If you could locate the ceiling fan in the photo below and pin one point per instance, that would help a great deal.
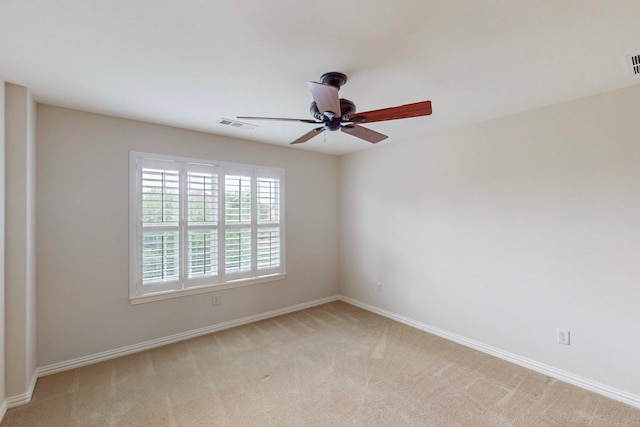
(336, 113)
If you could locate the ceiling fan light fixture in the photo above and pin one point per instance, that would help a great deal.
(333, 124)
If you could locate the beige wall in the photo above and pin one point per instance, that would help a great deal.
(20, 252)
(82, 237)
(504, 231)
(500, 232)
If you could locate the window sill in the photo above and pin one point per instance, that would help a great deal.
(204, 289)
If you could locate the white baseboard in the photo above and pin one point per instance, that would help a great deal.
(147, 345)
(568, 377)
(21, 399)
(24, 398)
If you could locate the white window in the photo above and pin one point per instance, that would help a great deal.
(199, 225)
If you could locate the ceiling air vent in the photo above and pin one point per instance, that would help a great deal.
(237, 124)
(634, 64)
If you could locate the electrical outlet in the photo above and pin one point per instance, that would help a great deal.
(215, 301)
(379, 287)
(564, 337)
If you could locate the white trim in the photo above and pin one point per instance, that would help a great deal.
(3, 409)
(24, 398)
(204, 289)
(147, 345)
(568, 377)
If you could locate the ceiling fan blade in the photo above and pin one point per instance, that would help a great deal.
(326, 98)
(307, 136)
(277, 118)
(364, 133)
(416, 109)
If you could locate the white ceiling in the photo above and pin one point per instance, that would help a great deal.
(191, 63)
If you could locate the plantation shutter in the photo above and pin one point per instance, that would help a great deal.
(238, 216)
(202, 224)
(268, 223)
(197, 224)
(159, 223)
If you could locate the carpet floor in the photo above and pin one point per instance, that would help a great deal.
(331, 365)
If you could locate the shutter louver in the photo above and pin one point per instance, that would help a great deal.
(160, 256)
(237, 250)
(203, 253)
(203, 197)
(160, 196)
(237, 199)
(268, 248)
(268, 200)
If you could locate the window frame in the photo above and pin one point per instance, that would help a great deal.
(164, 289)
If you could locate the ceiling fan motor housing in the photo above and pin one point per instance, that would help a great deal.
(331, 124)
(346, 109)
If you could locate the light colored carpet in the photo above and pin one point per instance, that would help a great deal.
(332, 365)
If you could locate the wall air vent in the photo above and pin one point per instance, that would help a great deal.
(237, 124)
(633, 61)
